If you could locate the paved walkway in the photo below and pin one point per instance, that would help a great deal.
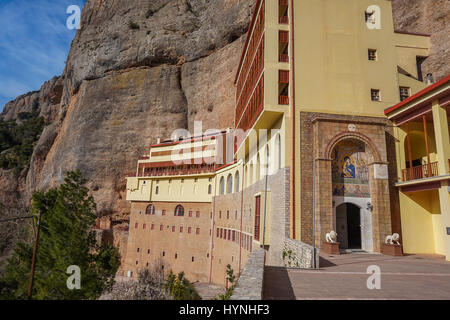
(343, 277)
(208, 291)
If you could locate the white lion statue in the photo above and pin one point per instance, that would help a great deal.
(331, 236)
(392, 239)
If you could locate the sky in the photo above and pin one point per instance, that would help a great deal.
(34, 44)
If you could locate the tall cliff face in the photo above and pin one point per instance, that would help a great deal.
(139, 69)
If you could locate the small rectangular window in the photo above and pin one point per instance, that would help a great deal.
(144, 226)
(375, 95)
(405, 93)
(181, 229)
(153, 226)
(373, 55)
(136, 225)
(190, 214)
(161, 228)
(164, 212)
(189, 230)
(197, 214)
(197, 231)
(173, 228)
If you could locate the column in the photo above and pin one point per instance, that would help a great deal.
(441, 137)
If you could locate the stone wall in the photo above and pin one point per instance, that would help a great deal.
(297, 254)
(251, 282)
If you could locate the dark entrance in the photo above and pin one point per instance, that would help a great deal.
(353, 226)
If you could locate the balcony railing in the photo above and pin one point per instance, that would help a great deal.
(420, 172)
(284, 58)
(284, 100)
(284, 20)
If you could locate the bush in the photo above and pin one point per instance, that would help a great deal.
(17, 140)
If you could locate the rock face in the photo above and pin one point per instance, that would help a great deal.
(430, 17)
(139, 69)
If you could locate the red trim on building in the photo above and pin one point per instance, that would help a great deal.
(422, 187)
(417, 95)
(249, 32)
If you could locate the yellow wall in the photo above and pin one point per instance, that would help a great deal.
(409, 47)
(421, 222)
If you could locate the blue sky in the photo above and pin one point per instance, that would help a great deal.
(34, 44)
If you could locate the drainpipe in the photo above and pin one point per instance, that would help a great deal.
(293, 119)
(265, 197)
(314, 216)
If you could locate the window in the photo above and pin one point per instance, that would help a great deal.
(150, 209)
(220, 214)
(229, 184)
(228, 214)
(257, 216)
(197, 231)
(375, 95)
(372, 55)
(234, 236)
(173, 228)
(144, 226)
(157, 190)
(370, 17)
(138, 249)
(148, 251)
(181, 229)
(137, 262)
(404, 93)
(179, 211)
(153, 226)
(189, 230)
(136, 225)
(164, 253)
(222, 186)
(197, 214)
(236, 181)
(161, 227)
(192, 259)
(229, 234)
(209, 189)
(218, 233)
(221, 233)
(164, 212)
(190, 214)
(176, 255)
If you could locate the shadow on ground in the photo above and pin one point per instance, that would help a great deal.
(277, 284)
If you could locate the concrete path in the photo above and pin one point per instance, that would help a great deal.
(343, 277)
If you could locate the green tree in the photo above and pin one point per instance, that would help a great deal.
(67, 238)
(180, 288)
(231, 280)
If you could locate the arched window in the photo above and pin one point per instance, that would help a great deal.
(209, 189)
(222, 186)
(179, 211)
(236, 182)
(150, 209)
(229, 184)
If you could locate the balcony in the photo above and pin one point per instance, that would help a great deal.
(284, 100)
(283, 58)
(284, 20)
(420, 172)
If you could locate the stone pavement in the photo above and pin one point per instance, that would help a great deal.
(344, 277)
(208, 291)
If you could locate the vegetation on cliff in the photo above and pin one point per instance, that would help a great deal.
(17, 140)
(66, 239)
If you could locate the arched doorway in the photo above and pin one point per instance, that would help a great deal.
(348, 225)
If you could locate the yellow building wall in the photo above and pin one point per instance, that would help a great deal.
(414, 85)
(421, 222)
(409, 47)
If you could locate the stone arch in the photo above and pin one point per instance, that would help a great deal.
(352, 135)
